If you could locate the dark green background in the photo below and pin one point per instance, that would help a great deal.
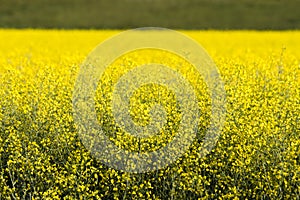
(177, 14)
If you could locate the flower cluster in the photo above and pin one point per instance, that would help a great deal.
(256, 156)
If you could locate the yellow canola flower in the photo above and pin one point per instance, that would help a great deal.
(257, 155)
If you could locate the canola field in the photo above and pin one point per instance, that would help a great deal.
(255, 157)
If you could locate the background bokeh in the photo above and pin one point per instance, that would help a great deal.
(173, 14)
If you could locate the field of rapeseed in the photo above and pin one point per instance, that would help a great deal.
(256, 156)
